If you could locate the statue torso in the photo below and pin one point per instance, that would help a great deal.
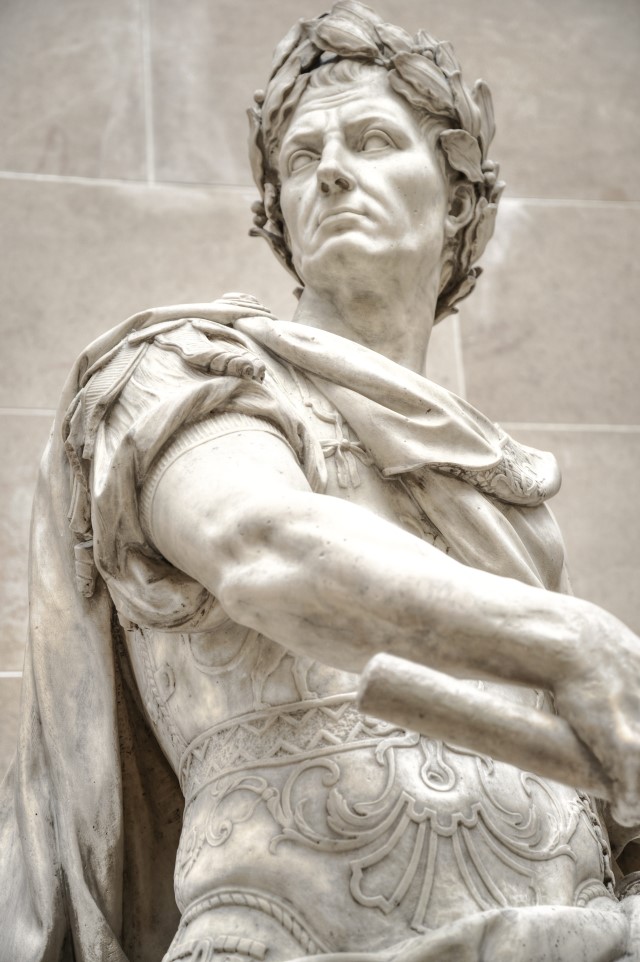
(305, 816)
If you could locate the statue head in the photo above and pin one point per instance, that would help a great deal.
(345, 45)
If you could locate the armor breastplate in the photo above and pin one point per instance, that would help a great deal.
(345, 810)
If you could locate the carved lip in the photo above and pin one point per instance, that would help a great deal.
(336, 212)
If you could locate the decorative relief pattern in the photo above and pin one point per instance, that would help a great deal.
(277, 734)
(461, 811)
(253, 900)
(269, 656)
(208, 950)
(517, 473)
(593, 820)
(157, 685)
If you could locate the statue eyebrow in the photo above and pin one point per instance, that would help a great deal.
(304, 136)
(301, 136)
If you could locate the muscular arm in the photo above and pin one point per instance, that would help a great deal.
(336, 582)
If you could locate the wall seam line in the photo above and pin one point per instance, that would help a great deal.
(571, 427)
(215, 185)
(28, 412)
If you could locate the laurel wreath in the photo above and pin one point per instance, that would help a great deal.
(423, 71)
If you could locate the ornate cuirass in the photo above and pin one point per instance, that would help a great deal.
(352, 825)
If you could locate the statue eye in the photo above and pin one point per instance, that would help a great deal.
(301, 159)
(376, 140)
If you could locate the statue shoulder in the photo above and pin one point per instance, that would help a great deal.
(215, 317)
(199, 335)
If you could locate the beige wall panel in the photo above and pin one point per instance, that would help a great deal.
(597, 509)
(443, 360)
(551, 332)
(71, 91)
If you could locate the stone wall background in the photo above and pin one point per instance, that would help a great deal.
(124, 184)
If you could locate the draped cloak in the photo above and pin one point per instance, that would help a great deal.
(90, 811)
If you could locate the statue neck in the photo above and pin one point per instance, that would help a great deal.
(395, 326)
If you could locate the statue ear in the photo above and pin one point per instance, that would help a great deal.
(461, 208)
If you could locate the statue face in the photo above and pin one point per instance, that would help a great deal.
(359, 179)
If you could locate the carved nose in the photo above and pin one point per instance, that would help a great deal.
(333, 171)
(330, 184)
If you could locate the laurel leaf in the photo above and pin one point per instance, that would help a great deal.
(395, 38)
(286, 46)
(426, 79)
(357, 11)
(463, 153)
(484, 231)
(463, 107)
(281, 86)
(445, 58)
(344, 35)
(256, 157)
(449, 299)
(426, 41)
(482, 96)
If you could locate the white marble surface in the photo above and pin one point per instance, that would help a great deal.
(405, 350)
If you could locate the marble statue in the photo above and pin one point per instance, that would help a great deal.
(236, 514)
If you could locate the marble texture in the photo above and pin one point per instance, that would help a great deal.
(255, 712)
(440, 706)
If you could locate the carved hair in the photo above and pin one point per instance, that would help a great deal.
(427, 75)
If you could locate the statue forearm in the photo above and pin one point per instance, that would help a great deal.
(339, 583)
